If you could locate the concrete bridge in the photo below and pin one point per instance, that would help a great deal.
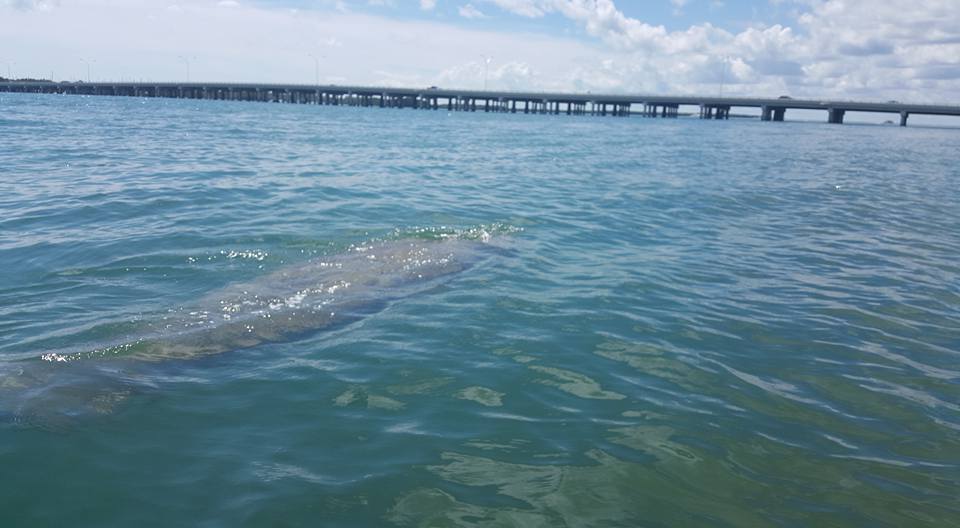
(434, 98)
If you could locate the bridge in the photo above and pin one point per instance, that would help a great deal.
(433, 98)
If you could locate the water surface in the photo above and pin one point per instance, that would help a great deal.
(685, 323)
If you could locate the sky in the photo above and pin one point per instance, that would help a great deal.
(905, 50)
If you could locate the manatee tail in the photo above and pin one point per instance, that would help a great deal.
(56, 396)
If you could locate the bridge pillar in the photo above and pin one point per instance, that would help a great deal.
(903, 118)
(778, 114)
(835, 116)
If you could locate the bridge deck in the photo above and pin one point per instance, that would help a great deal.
(467, 100)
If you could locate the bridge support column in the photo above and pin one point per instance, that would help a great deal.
(903, 118)
(778, 114)
(835, 116)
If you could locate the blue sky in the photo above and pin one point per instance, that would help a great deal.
(907, 50)
(729, 14)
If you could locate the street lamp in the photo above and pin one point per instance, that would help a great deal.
(723, 73)
(316, 68)
(187, 62)
(87, 62)
(486, 66)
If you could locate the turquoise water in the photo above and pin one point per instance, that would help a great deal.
(642, 323)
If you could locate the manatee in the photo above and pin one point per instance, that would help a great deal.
(292, 302)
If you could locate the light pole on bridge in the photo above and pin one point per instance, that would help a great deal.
(486, 67)
(187, 62)
(87, 62)
(316, 68)
(723, 73)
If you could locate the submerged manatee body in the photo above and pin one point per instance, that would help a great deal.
(284, 305)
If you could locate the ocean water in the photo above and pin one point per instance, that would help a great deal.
(609, 322)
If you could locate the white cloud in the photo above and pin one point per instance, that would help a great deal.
(28, 5)
(469, 11)
(527, 8)
(839, 47)
(427, 5)
(678, 6)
